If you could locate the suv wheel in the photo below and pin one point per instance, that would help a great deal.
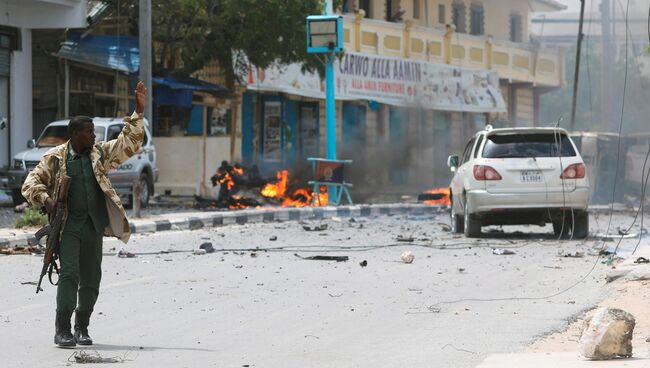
(581, 226)
(472, 223)
(456, 220)
(17, 197)
(145, 191)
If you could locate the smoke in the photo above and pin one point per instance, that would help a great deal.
(613, 94)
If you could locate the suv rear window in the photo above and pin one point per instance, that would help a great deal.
(514, 145)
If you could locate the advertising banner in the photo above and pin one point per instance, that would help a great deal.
(392, 81)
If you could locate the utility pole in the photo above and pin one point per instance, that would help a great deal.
(607, 64)
(330, 105)
(144, 27)
(577, 70)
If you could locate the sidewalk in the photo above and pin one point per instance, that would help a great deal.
(10, 238)
(560, 349)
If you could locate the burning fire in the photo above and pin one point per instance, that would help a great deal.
(276, 190)
(437, 196)
(301, 197)
(227, 180)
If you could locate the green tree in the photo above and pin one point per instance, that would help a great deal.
(192, 33)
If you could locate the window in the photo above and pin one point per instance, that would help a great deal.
(468, 151)
(365, 6)
(520, 145)
(478, 145)
(442, 19)
(515, 28)
(416, 9)
(458, 16)
(114, 131)
(477, 19)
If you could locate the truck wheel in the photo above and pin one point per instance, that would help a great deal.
(472, 223)
(145, 192)
(17, 197)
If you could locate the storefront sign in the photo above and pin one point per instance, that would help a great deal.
(393, 81)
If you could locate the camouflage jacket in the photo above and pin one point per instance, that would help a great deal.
(44, 180)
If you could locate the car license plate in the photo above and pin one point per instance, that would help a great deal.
(531, 176)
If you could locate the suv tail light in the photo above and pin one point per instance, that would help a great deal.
(484, 172)
(575, 171)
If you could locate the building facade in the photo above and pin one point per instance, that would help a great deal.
(17, 20)
(479, 68)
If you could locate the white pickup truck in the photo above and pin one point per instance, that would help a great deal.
(141, 166)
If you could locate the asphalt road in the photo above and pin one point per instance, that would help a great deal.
(455, 304)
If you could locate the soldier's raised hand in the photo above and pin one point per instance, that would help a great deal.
(140, 97)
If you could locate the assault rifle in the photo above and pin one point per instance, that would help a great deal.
(53, 233)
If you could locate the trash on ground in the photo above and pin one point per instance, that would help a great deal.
(273, 238)
(207, 247)
(363, 263)
(323, 258)
(320, 227)
(572, 255)
(621, 234)
(200, 251)
(408, 257)
(82, 357)
(123, 253)
(641, 260)
(502, 252)
(405, 239)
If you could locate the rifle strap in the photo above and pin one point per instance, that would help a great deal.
(53, 268)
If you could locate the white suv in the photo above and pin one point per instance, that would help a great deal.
(515, 176)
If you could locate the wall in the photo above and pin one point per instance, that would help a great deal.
(20, 90)
(180, 161)
(43, 14)
(525, 107)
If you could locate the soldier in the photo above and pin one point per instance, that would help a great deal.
(93, 210)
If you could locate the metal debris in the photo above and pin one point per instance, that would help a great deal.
(320, 227)
(324, 258)
(82, 357)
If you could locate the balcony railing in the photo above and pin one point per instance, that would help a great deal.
(517, 62)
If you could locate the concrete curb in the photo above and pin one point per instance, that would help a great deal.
(195, 220)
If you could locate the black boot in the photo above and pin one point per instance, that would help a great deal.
(81, 321)
(63, 338)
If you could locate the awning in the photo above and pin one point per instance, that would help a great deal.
(178, 91)
(112, 52)
(190, 84)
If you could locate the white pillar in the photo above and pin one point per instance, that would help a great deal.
(20, 92)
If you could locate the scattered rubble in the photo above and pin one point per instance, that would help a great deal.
(123, 253)
(320, 227)
(502, 252)
(572, 255)
(405, 239)
(607, 335)
(363, 263)
(207, 247)
(408, 257)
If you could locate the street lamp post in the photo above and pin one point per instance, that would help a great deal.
(325, 36)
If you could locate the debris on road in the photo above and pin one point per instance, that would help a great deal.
(444, 227)
(200, 252)
(363, 263)
(407, 257)
(607, 335)
(572, 255)
(273, 238)
(323, 258)
(622, 234)
(207, 247)
(405, 239)
(320, 227)
(82, 357)
(641, 260)
(123, 253)
(21, 250)
(502, 252)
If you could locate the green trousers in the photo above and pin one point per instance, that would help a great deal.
(81, 267)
